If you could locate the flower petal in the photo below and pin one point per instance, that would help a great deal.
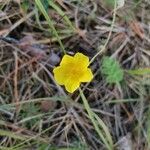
(71, 85)
(60, 75)
(81, 60)
(66, 60)
(87, 76)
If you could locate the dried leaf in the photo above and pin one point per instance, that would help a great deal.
(48, 106)
(2, 32)
(33, 50)
(81, 33)
(125, 143)
(54, 59)
(117, 40)
(135, 26)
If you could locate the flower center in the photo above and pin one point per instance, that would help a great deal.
(75, 72)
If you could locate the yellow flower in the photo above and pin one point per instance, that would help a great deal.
(72, 71)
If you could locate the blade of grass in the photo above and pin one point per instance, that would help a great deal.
(62, 14)
(55, 98)
(5, 148)
(104, 127)
(41, 8)
(95, 122)
(141, 71)
(33, 117)
(12, 135)
(123, 101)
(21, 137)
(35, 137)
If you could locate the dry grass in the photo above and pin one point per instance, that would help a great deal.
(35, 112)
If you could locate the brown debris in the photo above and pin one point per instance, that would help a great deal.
(47, 106)
(136, 28)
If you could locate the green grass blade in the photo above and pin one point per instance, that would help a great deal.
(94, 121)
(123, 101)
(12, 135)
(105, 129)
(54, 98)
(21, 137)
(41, 7)
(5, 148)
(141, 71)
(61, 13)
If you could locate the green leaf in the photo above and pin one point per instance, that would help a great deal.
(29, 114)
(110, 3)
(45, 4)
(43, 146)
(25, 5)
(111, 70)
